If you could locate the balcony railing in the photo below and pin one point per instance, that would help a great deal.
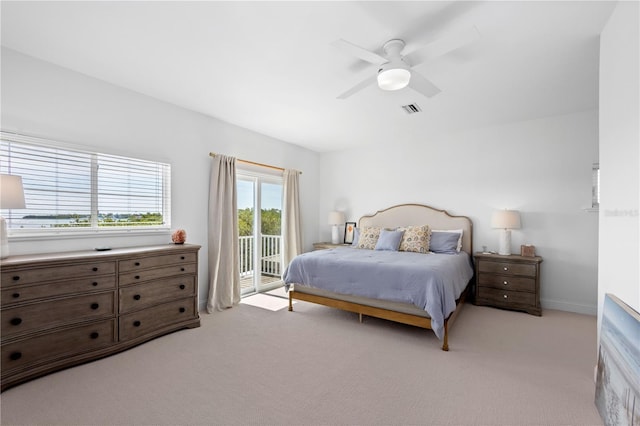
(270, 260)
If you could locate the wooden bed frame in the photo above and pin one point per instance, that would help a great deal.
(392, 217)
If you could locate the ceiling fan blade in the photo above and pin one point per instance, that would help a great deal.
(442, 46)
(359, 52)
(364, 83)
(422, 85)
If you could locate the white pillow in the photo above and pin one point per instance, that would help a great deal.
(459, 231)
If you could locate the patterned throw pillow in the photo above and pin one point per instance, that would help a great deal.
(368, 237)
(415, 239)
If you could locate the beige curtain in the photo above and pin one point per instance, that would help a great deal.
(224, 269)
(291, 235)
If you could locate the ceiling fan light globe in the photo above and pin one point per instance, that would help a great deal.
(393, 78)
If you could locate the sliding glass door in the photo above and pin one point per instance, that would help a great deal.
(259, 226)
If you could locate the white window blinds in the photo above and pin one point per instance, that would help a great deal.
(67, 189)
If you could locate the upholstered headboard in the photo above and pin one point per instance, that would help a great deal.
(418, 214)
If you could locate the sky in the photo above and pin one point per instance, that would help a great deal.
(271, 195)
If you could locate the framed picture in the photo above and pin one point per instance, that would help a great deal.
(618, 370)
(349, 231)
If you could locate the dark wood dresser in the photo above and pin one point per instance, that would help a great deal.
(510, 282)
(63, 309)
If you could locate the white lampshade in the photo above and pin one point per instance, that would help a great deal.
(11, 192)
(393, 78)
(11, 197)
(506, 219)
(336, 218)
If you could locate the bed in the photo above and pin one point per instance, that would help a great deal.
(420, 289)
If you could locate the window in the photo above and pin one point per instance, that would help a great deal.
(69, 190)
(595, 186)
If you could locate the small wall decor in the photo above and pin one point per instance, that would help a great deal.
(179, 236)
(349, 231)
(527, 251)
(618, 370)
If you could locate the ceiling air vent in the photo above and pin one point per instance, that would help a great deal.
(411, 108)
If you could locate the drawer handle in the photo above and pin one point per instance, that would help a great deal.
(94, 335)
(16, 321)
(182, 287)
(183, 310)
(16, 277)
(95, 269)
(505, 283)
(182, 257)
(15, 356)
(137, 263)
(505, 296)
(94, 306)
(95, 284)
(137, 277)
(506, 269)
(182, 269)
(136, 297)
(137, 323)
(15, 295)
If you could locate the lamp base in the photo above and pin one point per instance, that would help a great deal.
(505, 242)
(4, 241)
(335, 235)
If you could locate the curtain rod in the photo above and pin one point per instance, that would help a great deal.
(213, 154)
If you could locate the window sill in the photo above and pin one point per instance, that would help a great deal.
(82, 234)
(592, 209)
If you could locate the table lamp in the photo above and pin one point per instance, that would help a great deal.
(506, 220)
(335, 219)
(11, 197)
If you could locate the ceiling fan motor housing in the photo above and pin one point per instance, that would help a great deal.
(395, 74)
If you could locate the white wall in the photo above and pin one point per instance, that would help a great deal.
(41, 99)
(540, 167)
(619, 257)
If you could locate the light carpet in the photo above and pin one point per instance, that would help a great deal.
(320, 366)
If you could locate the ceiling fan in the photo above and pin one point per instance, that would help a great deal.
(395, 69)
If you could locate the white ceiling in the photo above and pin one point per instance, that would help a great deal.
(270, 66)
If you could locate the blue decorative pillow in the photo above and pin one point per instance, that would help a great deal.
(445, 242)
(389, 240)
(356, 237)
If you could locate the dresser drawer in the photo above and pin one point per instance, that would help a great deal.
(151, 293)
(506, 298)
(139, 323)
(53, 273)
(153, 261)
(507, 282)
(507, 268)
(152, 274)
(49, 346)
(25, 293)
(55, 313)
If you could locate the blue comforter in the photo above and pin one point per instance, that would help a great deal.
(431, 281)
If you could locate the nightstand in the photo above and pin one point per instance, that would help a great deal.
(510, 282)
(322, 246)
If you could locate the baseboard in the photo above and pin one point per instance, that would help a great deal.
(569, 307)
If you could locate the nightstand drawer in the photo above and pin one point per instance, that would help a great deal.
(506, 268)
(507, 282)
(506, 298)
